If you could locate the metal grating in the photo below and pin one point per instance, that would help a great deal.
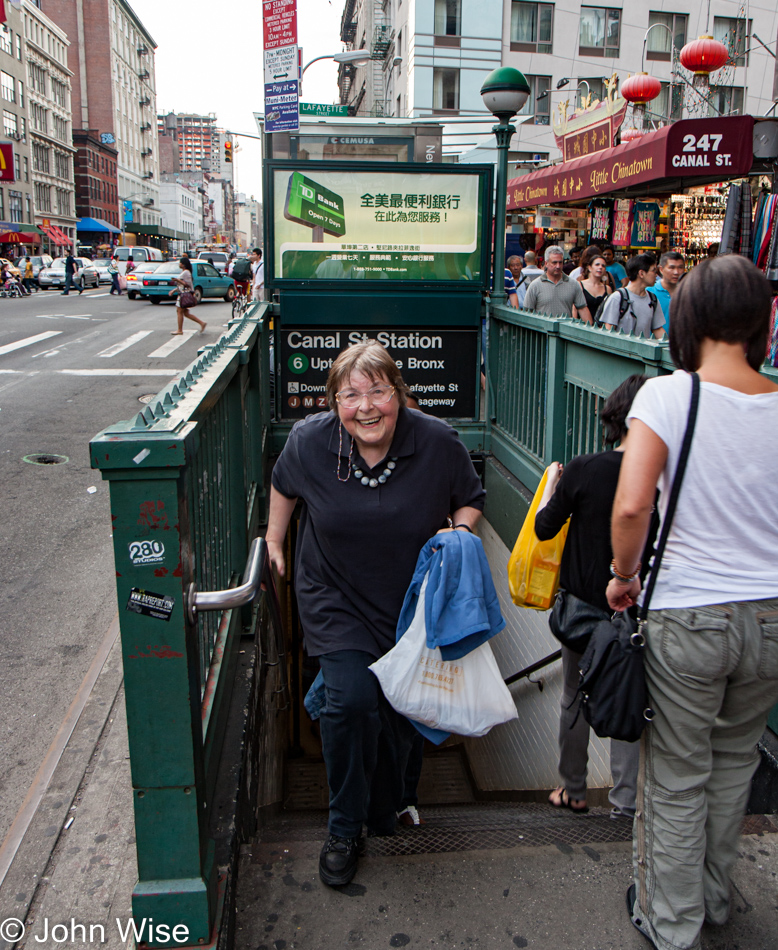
(519, 391)
(484, 826)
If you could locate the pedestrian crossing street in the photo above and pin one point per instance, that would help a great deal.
(161, 351)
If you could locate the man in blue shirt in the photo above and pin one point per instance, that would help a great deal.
(672, 267)
(613, 267)
(516, 265)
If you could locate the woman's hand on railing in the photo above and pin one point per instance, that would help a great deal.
(275, 552)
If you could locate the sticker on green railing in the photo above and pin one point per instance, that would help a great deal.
(158, 606)
(147, 552)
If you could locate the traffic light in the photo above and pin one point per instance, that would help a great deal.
(227, 150)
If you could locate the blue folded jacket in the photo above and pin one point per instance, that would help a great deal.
(461, 609)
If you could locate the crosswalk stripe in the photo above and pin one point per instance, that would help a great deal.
(171, 373)
(125, 344)
(28, 341)
(171, 345)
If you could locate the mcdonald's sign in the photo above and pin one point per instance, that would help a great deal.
(7, 161)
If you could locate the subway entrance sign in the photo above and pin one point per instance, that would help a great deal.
(308, 203)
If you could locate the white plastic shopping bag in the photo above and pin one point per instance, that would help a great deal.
(466, 696)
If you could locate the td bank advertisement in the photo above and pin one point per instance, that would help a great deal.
(369, 225)
(439, 366)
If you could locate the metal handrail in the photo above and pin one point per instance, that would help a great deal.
(529, 670)
(257, 574)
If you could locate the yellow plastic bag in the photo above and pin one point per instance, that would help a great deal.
(533, 568)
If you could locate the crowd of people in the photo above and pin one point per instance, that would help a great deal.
(592, 286)
(377, 479)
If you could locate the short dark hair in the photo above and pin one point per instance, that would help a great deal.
(638, 263)
(616, 409)
(257, 250)
(724, 298)
(670, 256)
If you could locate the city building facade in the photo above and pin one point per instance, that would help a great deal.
(567, 50)
(16, 197)
(96, 170)
(50, 128)
(182, 209)
(111, 55)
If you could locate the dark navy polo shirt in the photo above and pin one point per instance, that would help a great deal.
(357, 546)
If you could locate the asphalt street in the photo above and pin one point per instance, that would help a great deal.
(68, 368)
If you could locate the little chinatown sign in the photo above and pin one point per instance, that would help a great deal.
(693, 148)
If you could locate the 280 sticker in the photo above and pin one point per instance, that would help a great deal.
(147, 552)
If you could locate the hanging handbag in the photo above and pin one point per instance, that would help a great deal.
(573, 620)
(187, 300)
(612, 688)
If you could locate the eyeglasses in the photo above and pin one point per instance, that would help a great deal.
(377, 396)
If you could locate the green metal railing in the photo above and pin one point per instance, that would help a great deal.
(187, 480)
(548, 380)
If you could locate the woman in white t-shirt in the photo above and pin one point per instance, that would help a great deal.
(712, 635)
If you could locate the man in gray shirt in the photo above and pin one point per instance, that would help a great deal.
(554, 293)
(635, 309)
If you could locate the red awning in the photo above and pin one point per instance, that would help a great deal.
(57, 236)
(689, 152)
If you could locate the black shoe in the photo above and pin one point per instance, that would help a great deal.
(338, 860)
(637, 924)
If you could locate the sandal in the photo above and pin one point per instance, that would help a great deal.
(560, 799)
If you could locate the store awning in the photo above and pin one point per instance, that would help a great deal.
(689, 152)
(96, 224)
(154, 230)
(57, 236)
(19, 237)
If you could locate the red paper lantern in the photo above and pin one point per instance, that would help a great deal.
(641, 88)
(704, 55)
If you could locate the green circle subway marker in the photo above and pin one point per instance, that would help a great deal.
(298, 362)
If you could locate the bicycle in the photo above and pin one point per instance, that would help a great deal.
(240, 305)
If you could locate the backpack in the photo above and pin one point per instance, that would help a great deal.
(625, 303)
(241, 269)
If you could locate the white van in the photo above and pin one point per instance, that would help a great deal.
(136, 254)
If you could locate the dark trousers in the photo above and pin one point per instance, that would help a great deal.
(365, 744)
(413, 771)
(68, 283)
(116, 287)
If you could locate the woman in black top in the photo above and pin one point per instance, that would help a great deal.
(584, 493)
(594, 282)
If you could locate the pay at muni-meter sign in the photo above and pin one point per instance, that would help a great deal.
(309, 203)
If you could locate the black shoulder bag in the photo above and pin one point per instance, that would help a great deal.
(612, 687)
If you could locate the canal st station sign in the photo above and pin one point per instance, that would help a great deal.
(686, 152)
(439, 365)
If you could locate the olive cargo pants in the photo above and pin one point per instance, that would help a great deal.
(712, 675)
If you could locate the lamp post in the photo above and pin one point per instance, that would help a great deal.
(504, 91)
(395, 62)
(358, 57)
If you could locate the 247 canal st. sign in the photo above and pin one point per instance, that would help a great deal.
(690, 150)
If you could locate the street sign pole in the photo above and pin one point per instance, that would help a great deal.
(281, 66)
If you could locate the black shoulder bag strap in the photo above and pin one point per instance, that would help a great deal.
(673, 500)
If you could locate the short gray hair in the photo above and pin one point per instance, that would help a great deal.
(554, 249)
(514, 257)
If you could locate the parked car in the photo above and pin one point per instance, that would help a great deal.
(38, 261)
(54, 275)
(136, 275)
(102, 264)
(208, 282)
(218, 258)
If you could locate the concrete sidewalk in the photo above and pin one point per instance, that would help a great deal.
(556, 897)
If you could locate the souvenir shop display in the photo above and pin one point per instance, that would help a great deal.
(696, 222)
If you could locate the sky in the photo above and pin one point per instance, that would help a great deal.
(209, 59)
